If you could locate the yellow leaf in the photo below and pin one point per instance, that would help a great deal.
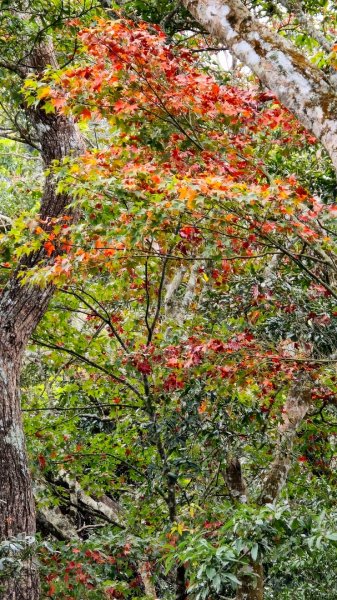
(43, 92)
(181, 528)
(187, 194)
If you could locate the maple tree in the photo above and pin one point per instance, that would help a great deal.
(186, 200)
(191, 335)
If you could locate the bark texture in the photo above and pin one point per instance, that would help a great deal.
(306, 91)
(251, 587)
(251, 575)
(294, 411)
(21, 308)
(234, 478)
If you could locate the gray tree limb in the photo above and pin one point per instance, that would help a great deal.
(305, 90)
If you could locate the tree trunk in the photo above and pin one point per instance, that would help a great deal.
(181, 591)
(251, 587)
(304, 89)
(21, 308)
(295, 410)
(16, 500)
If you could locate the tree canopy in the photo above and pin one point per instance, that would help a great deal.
(168, 308)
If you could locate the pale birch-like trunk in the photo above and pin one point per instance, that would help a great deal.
(295, 410)
(306, 91)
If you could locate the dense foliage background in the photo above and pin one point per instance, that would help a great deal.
(179, 394)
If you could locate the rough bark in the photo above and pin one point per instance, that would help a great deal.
(252, 586)
(21, 308)
(235, 482)
(17, 518)
(305, 90)
(306, 23)
(295, 409)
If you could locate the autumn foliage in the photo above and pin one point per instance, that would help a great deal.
(182, 255)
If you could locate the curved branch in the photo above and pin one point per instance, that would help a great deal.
(88, 362)
(281, 67)
(307, 24)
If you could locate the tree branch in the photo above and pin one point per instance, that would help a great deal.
(299, 85)
(295, 409)
(307, 24)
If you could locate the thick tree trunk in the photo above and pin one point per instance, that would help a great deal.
(16, 501)
(181, 591)
(21, 308)
(305, 90)
(252, 586)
